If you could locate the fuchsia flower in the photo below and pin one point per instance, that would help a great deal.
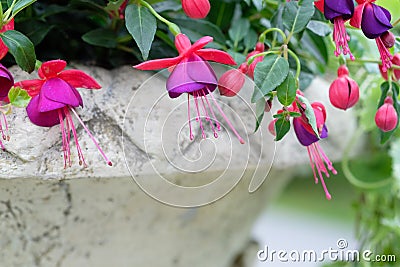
(374, 21)
(386, 117)
(54, 97)
(6, 82)
(344, 91)
(338, 11)
(319, 161)
(319, 4)
(192, 74)
(232, 81)
(196, 9)
(3, 47)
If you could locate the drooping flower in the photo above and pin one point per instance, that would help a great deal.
(338, 11)
(386, 117)
(396, 72)
(54, 98)
(232, 81)
(319, 4)
(260, 47)
(6, 82)
(319, 161)
(196, 9)
(192, 74)
(344, 92)
(374, 21)
(3, 47)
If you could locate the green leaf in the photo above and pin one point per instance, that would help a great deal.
(309, 112)
(20, 5)
(251, 40)
(239, 30)
(260, 109)
(319, 28)
(282, 127)
(18, 97)
(316, 46)
(101, 37)
(287, 90)
(201, 28)
(269, 74)
(35, 30)
(142, 25)
(296, 15)
(238, 57)
(21, 48)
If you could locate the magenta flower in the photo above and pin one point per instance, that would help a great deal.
(260, 47)
(196, 9)
(338, 11)
(192, 74)
(386, 117)
(6, 82)
(374, 21)
(319, 161)
(232, 81)
(344, 92)
(54, 97)
(3, 47)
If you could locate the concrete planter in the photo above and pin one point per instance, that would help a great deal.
(98, 216)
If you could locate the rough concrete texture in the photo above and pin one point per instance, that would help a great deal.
(98, 216)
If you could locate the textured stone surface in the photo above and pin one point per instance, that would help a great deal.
(98, 216)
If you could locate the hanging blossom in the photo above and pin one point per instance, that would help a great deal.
(344, 91)
(6, 82)
(192, 74)
(3, 47)
(319, 161)
(54, 98)
(374, 21)
(338, 11)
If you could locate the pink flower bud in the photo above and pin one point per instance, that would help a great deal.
(268, 105)
(271, 127)
(231, 82)
(196, 9)
(343, 92)
(386, 116)
(260, 47)
(395, 61)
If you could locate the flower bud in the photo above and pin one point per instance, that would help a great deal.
(271, 127)
(395, 61)
(196, 9)
(343, 92)
(260, 47)
(386, 116)
(388, 39)
(268, 105)
(231, 82)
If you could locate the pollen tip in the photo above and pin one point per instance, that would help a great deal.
(242, 141)
(109, 163)
(328, 196)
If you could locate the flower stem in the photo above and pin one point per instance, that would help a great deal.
(396, 22)
(174, 29)
(298, 64)
(251, 59)
(346, 169)
(359, 61)
(261, 39)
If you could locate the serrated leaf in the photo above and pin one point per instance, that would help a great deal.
(21, 48)
(239, 30)
(309, 112)
(296, 15)
(287, 90)
(18, 97)
(319, 28)
(269, 74)
(282, 127)
(142, 25)
(260, 109)
(101, 37)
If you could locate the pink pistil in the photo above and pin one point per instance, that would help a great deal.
(386, 57)
(341, 38)
(226, 118)
(75, 135)
(203, 135)
(318, 159)
(207, 115)
(189, 120)
(91, 137)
